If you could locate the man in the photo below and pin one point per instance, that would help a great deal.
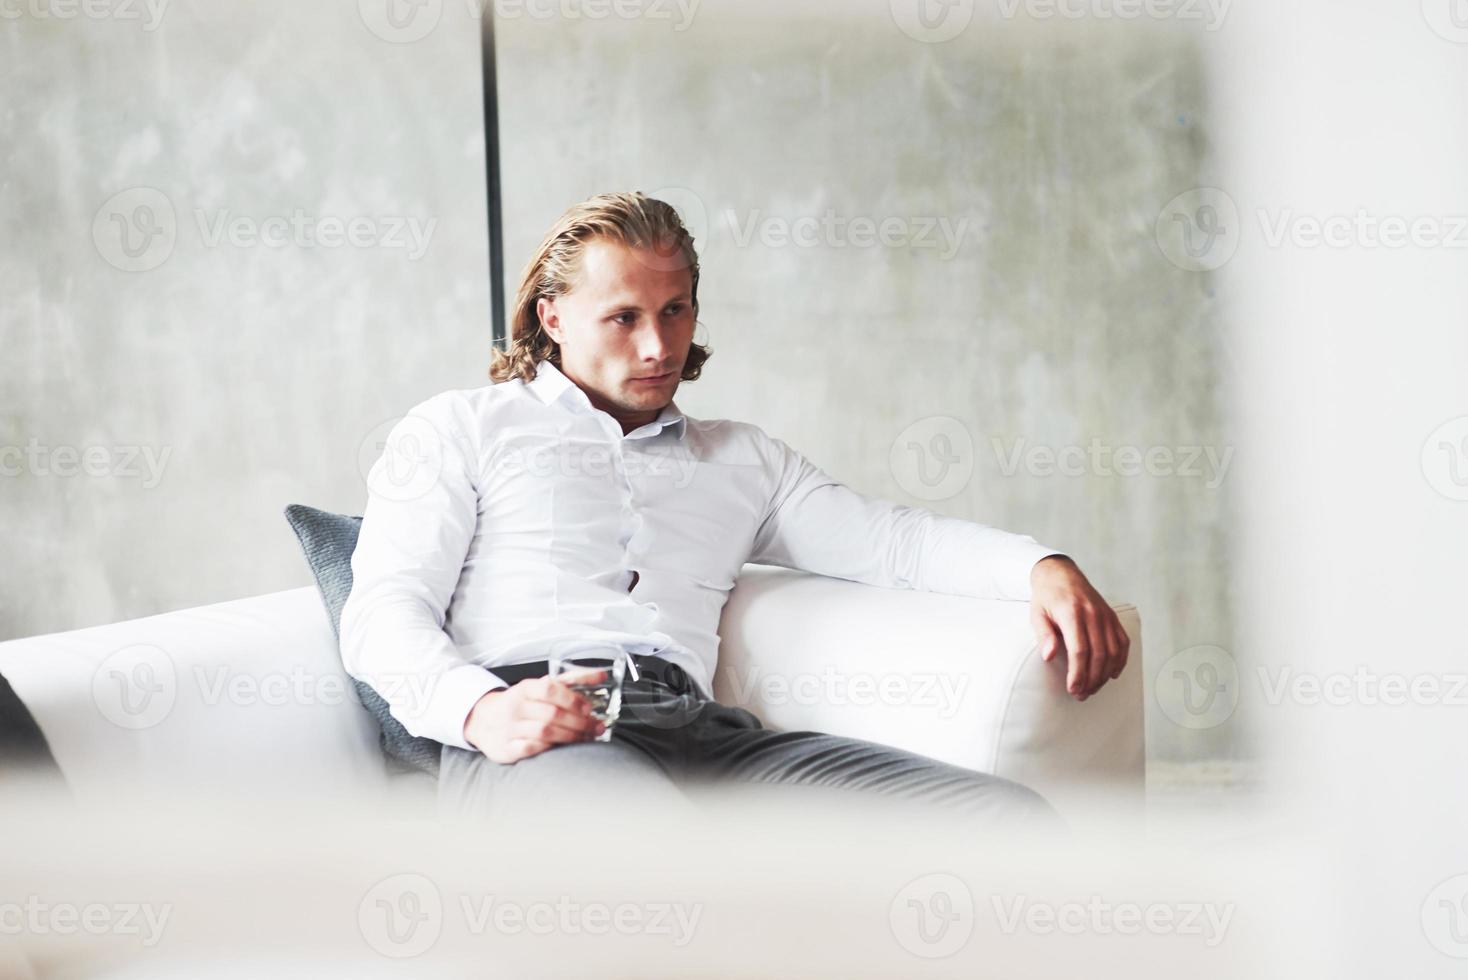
(572, 506)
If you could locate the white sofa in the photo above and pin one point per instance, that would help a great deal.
(250, 693)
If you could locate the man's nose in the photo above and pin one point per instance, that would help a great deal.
(652, 344)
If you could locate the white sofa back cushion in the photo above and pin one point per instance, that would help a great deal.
(224, 697)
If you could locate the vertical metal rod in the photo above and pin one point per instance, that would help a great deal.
(492, 176)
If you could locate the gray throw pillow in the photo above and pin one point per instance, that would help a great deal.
(329, 540)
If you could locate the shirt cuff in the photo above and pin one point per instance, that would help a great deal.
(1027, 555)
(454, 695)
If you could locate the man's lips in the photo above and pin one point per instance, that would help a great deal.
(655, 379)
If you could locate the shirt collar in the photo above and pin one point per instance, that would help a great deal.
(550, 386)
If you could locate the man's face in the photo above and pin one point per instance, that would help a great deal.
(624, 329)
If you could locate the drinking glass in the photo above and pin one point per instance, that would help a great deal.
(597, 675)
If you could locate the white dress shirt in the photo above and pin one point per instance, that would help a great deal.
(507, 521)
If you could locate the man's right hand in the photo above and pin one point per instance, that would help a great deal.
(525, 719)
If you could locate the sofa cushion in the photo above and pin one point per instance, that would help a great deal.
(328, 540)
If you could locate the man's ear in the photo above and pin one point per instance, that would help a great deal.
(550, 320)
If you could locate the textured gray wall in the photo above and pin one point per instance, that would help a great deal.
(250, 357)
(1007, 295)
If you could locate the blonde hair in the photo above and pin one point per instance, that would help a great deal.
(635, 220)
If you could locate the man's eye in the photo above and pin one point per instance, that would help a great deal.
(675, 309)
(625, 319)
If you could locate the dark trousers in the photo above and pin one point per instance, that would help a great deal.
(671, 736)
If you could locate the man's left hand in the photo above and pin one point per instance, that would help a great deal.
(1068, 613)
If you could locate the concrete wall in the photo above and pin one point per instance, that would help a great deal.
(249, 346)
(926, 264)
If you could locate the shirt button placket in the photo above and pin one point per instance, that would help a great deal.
(631, 519)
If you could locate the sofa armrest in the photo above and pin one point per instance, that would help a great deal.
(952, 678)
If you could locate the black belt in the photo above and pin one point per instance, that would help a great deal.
(648, 668)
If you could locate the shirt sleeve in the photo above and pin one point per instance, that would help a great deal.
(422, 508)
(817, 524)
